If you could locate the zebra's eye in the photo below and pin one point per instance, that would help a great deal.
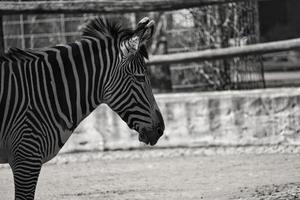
(140, 78)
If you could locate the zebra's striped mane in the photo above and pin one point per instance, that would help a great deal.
(96, 28)
(99, 27)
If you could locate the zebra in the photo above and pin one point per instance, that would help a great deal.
(46, 93)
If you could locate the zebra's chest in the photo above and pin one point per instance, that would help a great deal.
(3, 155)
(60, 140)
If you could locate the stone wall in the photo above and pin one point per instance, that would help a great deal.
(229, 118)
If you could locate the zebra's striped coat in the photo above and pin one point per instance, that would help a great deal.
(45, 94)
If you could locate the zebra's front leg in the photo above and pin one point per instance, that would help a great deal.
(26, 166)
(26, 173)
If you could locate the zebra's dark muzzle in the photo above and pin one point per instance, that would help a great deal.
(152, 136)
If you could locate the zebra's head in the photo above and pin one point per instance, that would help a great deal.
(139, 108)
(128, 90)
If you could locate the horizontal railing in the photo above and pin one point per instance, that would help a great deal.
(253, 49)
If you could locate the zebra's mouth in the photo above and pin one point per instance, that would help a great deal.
(148, 140)
(143, 138)
(148, 134)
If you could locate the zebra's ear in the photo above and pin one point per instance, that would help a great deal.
(138, 38)
(142, 34)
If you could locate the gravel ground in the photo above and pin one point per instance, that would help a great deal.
(288, 191)
(183, 174)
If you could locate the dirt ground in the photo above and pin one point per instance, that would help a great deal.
(182, 174)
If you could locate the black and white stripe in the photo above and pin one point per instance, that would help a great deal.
(45, 94)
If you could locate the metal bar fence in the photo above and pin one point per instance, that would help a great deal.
(254, 49)
(125, 6)
(102, 6)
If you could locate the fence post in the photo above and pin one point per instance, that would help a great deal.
(1, 36)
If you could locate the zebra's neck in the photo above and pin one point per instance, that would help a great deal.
(80, 72)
